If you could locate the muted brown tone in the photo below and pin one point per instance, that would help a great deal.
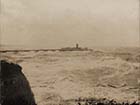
(54, 24)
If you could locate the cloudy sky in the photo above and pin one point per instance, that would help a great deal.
(60, 23)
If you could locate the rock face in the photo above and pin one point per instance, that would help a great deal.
(15, 88)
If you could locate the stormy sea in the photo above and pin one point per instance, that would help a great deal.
(63, 77)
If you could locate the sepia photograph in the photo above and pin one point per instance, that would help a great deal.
(69, 52)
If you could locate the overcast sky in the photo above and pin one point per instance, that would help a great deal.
(60, 23)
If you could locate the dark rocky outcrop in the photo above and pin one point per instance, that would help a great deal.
(94, 101)
(15, 88)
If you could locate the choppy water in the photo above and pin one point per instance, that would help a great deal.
(56, 76)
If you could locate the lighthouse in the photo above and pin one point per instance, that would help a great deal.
(77, 45)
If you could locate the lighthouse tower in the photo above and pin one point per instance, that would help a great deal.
(77, 46)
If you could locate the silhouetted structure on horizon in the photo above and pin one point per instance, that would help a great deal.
(77, 45)
(76, 48)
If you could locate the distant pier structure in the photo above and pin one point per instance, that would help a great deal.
(75, 48)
